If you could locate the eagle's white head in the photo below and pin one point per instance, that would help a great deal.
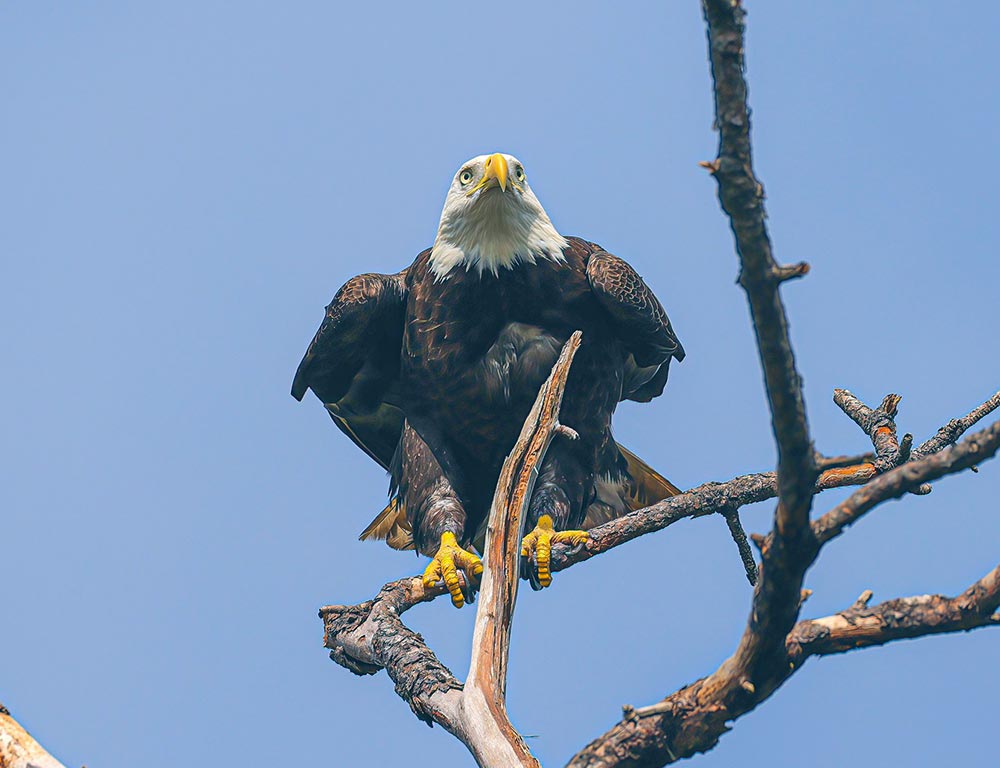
(492, 219)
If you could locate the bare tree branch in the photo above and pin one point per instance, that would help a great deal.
(862, 627)
(370, 636)
(955, 428)
(857, 627)
(694, 718)
(742, 545)
(707, 499)
(742, 198)
(879, 424)
(971, 451)
(774, 643)
(484, 698)
(793, 548)
(823, 463)
(18, 749)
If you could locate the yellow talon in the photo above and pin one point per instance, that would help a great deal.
(540, 542)
(445, 565)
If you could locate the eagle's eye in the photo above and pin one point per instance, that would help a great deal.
(465, 176)
(519, 173)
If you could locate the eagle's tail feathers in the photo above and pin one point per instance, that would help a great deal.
(391, 526)
(648, 486)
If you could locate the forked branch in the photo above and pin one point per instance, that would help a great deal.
(371, 636)
(694, 718)
(774, 643)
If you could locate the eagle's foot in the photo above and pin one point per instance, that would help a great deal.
(444, 566)
(539, 543)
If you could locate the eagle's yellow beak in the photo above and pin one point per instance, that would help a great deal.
(496, 170)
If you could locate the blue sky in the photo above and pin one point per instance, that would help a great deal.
(185, 185)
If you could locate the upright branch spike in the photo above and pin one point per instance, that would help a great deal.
(889, 404)
(879, 424)
(905, 446)
(485, 692)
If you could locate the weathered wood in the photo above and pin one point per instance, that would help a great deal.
(861, 626)
(486, 684)
(893, 484)
(688, 721)
(694, 718)
(17, 747)
(955, 428)
(793, 547)
(371, 636)
(774, 643)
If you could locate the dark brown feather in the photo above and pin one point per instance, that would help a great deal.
(463, 358)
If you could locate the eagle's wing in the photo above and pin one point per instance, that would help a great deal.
(640, 321)
(352, 363)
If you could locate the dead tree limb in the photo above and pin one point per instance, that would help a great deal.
(774, 644)
(861, 626)
(368, 637)
(707, 499)
(955, 428)
(713, 498)
(485, 695)
(893, 484)
(694, 718)
(371, 636)
(18, 749)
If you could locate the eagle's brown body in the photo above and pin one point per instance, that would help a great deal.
(434, 377)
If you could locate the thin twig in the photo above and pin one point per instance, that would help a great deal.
(955, 428)
(740, 537)
(693, 719)
(485, 693)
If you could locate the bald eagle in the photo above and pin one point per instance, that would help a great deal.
(431, 372)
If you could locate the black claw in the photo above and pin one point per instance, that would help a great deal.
(469, 592)
(536, 585)
(577, 549)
